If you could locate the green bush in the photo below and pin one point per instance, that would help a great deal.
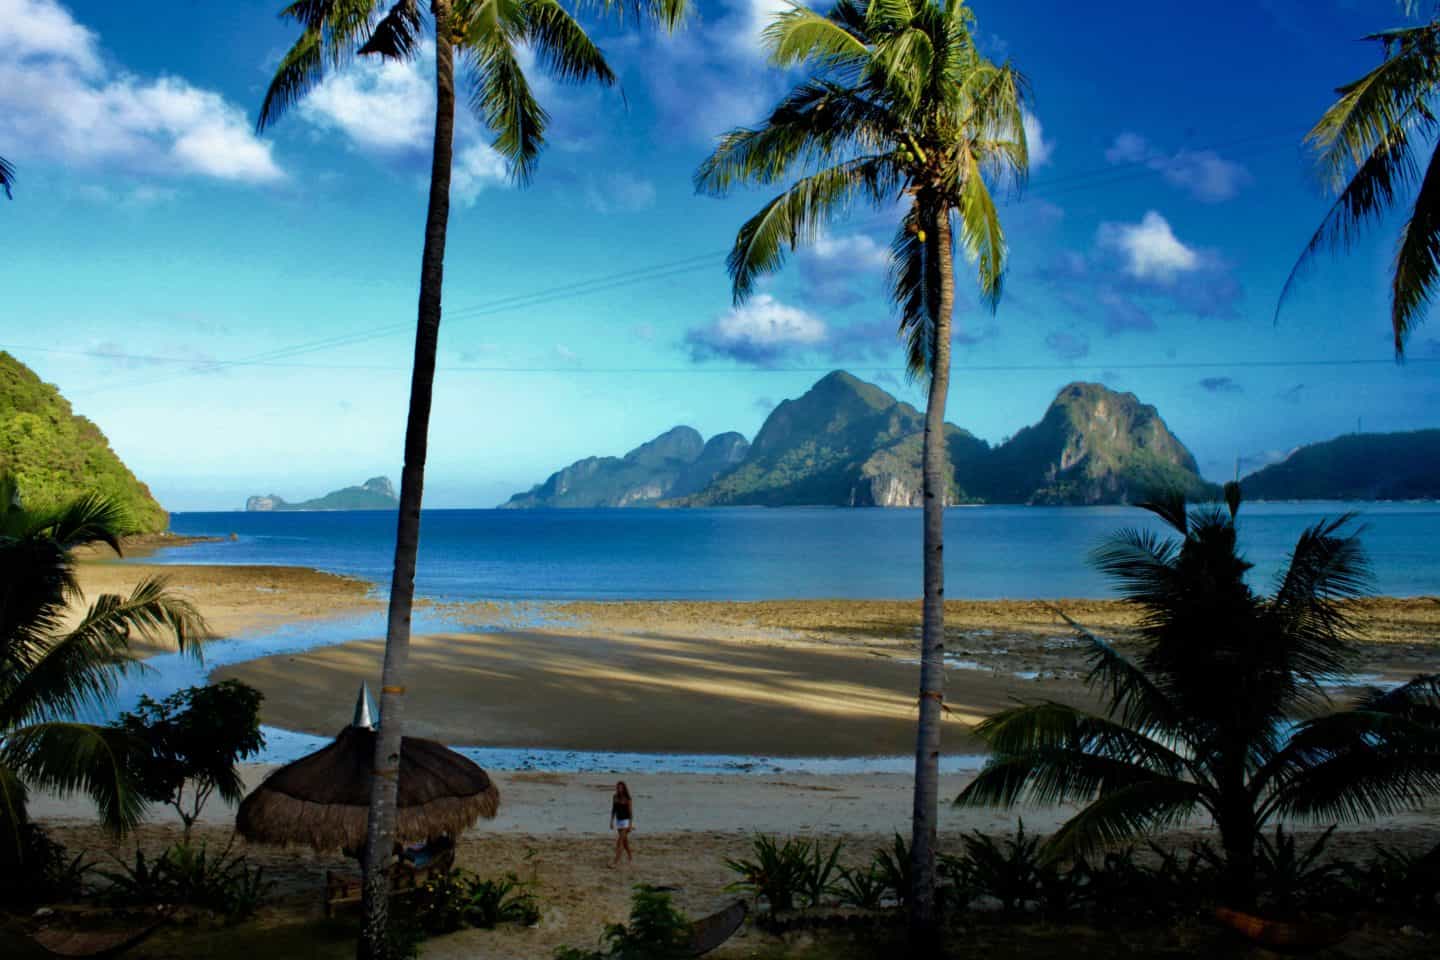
(457, 898)
(656, 931)
(778, 874)
(189, 876)
(893, 866)
(863, 888)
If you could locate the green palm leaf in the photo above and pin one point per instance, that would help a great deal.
(1417, 264)
(1123, 814)
(7, 177)
(794, 217)
(66, 758)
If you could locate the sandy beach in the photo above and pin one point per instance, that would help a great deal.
(795, 677)
(552, 830)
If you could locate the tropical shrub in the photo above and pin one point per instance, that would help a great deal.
(194, 737)
(1169, 744)
(189, 876)
(893, 865)
(862, 887)
(783, 874)
(656, 931)
(455, 899)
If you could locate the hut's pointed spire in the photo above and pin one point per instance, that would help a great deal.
(365, 711)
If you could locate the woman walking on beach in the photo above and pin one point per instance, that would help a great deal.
(622, 821)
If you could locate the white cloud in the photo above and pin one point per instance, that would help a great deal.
(383, 105)
(855, 251)
(1040, 149)
(477, 167)
(619, 193)
(58, 99)
(748, 21)
(1205, 174)
(759, 332)
(42, 28)
(1150, 249)
(387, 107)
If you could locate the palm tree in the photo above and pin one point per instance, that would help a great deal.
(7, 177)
(1202, 719)
(50, 673)
(899, 106)
(488, 35)
(1369, 148)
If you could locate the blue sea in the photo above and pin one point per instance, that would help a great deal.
(757, 554)
(735, 554)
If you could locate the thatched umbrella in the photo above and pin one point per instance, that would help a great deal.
(323, 799)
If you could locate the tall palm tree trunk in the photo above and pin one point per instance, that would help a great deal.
(384, 785)
(940, 287)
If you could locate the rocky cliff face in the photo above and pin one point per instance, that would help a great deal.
(846, 442)
(1094, 445)
(677, 463)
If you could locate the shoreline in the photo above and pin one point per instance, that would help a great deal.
(751, 679)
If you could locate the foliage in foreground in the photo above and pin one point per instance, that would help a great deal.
(196, 737)
(189, 876)
(53, 669)
(41, 871)
(656, 931)
(457, 899)
(1200, 721)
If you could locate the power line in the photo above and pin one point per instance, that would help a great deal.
(1084, 180)
(878, 368)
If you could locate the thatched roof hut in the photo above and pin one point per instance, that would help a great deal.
(323, 799)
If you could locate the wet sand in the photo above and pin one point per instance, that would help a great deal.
(799, 678)
(234, 600)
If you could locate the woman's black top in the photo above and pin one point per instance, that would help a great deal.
(620, 809)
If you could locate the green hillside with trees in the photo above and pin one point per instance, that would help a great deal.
(56, 456)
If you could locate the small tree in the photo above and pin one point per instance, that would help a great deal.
(194, 737)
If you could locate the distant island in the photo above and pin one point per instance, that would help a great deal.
(846, 442)
(377, 493)
(57, 456)
(1357, 466)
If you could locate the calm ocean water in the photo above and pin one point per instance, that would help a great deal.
(755, 554)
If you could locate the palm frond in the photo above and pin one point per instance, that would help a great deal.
(562, 45)
(981, 236)
(397, 34)
(668, 14)
(1354, 766)
(7, 177)
(1390, 97)
(66, 758)
(1037, 728)
(1326, 569)
(800, 35)
(501, 97)
(1142, 564)
(910, 294)
(300, 70)
(1417, 263)
(80, 669)
(1133, 698)
(794, 217)
(89, 520)
(817, 124)
(1143, 807)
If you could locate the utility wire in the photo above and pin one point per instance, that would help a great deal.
(1084, 180)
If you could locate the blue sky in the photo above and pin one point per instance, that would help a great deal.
(235, 311)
